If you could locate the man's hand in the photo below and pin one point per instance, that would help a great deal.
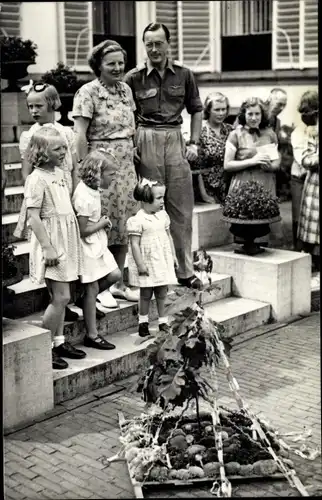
(192, 152)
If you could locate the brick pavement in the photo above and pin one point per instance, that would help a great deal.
(63, 457)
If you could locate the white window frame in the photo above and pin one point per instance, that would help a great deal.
(301, 64)
(62, 38)
(214, 44)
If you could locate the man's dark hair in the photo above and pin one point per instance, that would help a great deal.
(156, 27)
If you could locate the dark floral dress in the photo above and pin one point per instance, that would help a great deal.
(211, 156)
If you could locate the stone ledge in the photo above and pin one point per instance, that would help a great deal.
(27, 368)
(279, 277)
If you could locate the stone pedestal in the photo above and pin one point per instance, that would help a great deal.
(279, 277)
(208, 228)
(27, 373)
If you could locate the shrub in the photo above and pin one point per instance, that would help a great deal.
(63, 78)
(13, 48)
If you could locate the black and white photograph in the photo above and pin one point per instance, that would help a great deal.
(160, 249)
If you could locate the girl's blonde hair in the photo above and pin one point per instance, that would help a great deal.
(95, 163)
(37, 150)
(50, 95)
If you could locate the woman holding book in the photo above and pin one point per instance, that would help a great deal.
(251, 149)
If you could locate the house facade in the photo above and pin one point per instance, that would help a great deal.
(231, 46)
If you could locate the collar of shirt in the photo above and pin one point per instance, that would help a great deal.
(253, 131)
(147, 216)
(150, 68)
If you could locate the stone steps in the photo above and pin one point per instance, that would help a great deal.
(10, 153)
(13, 197)
(13, 174)
(101, 368)
(115, 320)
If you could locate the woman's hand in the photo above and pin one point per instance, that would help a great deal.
(50, 256)
(261, 159)
(143, 270)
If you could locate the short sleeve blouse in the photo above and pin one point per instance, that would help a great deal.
(110, 110)
(245, 143)
(34, 191)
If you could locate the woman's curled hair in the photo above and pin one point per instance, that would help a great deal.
(99, 51)
(309, 103)
(210, 99)
(249, 103)
(143, 190)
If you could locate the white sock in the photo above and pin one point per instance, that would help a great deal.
(143, 319)
(163, 320)
(60, 339)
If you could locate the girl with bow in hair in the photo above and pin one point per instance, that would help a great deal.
(151, 258)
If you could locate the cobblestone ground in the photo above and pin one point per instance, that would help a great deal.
(63, 456)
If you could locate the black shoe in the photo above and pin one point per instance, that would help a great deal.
(57, 362)
(79, 303)
(192, 282)
(144, 330)
(98, 343)
(164, 328)
(66, 350)
(70, 315)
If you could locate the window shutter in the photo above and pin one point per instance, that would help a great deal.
(78, 17)
(310, 33)
(286, 33)
(10, 18)
(167, 13)
(196, 35)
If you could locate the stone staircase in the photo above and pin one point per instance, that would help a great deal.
(238, 312)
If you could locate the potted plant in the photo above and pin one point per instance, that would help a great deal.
(250, 208)
(11, 273)
(65, 80)
(16, 56)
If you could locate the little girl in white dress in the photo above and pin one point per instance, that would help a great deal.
(151, 258)
(55, 247)
(98, 262)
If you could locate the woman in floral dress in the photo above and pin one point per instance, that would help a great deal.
(309, 219)
(103, 111)
(213, 184)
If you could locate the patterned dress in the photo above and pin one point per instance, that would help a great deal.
(98, 260)
(68, 136)
(48, 191)
(155, 248)
(244, 143)
(112, 126)
(211, 156)
(309, 220)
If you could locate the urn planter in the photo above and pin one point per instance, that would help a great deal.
(13, 71)
(248, 231)
(66, 107)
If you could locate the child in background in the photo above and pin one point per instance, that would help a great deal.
(98, 261)
(42, 101)
(55, 247)
(151, 259)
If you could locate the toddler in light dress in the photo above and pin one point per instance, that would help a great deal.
(99, 267)
(151, 258)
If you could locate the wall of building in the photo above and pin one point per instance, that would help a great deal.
(39, 23)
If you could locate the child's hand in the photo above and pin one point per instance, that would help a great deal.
(50, 256)
(105, 221)
(143, 270)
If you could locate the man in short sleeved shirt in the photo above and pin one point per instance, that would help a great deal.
(162, 88)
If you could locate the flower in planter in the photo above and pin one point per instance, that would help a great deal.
(63, 78)
(251, 201)
(9, 263)
(15, 49)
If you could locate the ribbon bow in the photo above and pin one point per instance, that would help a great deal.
(148, 182)
(254, 131)
(27, 88)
